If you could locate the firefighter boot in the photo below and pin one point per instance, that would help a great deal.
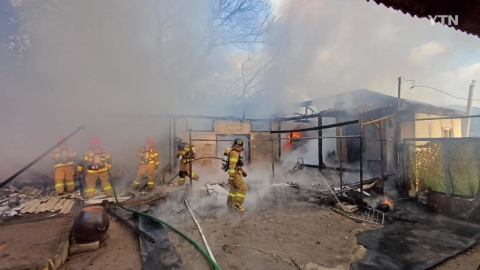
(238, 208)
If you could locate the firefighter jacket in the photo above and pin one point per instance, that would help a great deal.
(96, 161)
(234, 166)
(187, 154)
(148, 156)
(63, 157)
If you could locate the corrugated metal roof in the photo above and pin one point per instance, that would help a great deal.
(371, 107)
(468, 11)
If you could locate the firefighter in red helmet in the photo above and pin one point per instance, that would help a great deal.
(64, 158)
(98, 163)
(148, 160)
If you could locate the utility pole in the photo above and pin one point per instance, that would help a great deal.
(469, 109)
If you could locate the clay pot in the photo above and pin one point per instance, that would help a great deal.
(383, 207)
(91, 224)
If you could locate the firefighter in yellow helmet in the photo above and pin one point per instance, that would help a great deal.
(236, 173)
(186, 154)
(148, 159)
(64, 158)
(98, 162)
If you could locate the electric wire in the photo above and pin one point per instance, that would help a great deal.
(443, 92)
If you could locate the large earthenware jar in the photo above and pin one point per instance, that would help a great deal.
(91, 225)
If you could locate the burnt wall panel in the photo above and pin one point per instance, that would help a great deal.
(276, 143)
(204, 148)
(232, 127)
(260, 151)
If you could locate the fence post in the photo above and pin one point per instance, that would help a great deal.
(403, 161)
(446, 165)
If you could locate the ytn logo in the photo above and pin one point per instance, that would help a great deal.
(452, 20)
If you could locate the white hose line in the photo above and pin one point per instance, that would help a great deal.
(332, 191)
(200, 229)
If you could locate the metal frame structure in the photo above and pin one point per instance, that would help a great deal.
(272, 139)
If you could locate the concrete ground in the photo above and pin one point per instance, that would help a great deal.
(119, 251)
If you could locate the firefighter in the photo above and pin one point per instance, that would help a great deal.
(186, 154)
(64, 158)
(148, 159)
(98, 163)
(238, 188)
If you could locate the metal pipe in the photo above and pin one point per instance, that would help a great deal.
(469, 109)
(341, 159)
(361, 159)
(40, 157)
(199, 228)
(170, 144)
(174, 137)
(273, 160)
(381, 156)
(320, 142)
(318, 127)
(279, 135)
(190, 173)
(329, 137)
(266, 140)
(224, 140)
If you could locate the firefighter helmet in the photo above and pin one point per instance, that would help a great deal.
(150, 140)
(95, 142)
(179, 143)
(238, 142)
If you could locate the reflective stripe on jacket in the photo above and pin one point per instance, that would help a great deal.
(88, 159)
(233, 161)
(187, 154)
(152, 156)
(63, 157)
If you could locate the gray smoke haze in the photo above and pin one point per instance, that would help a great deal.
(93, 61)
(338, 46)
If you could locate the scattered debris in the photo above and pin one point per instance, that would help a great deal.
(300, 165)
(224, 246)
(13, 200)
(110, 199)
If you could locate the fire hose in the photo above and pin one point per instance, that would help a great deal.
(202, 251)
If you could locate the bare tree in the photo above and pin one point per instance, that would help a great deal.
(239, 23)
(246, 83)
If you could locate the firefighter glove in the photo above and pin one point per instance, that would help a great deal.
(244, 174)
(230, 180)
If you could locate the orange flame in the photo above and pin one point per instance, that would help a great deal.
(295, 134)
(389, 202)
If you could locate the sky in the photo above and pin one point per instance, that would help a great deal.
(342, 45)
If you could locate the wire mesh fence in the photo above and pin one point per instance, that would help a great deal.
(445, 165)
